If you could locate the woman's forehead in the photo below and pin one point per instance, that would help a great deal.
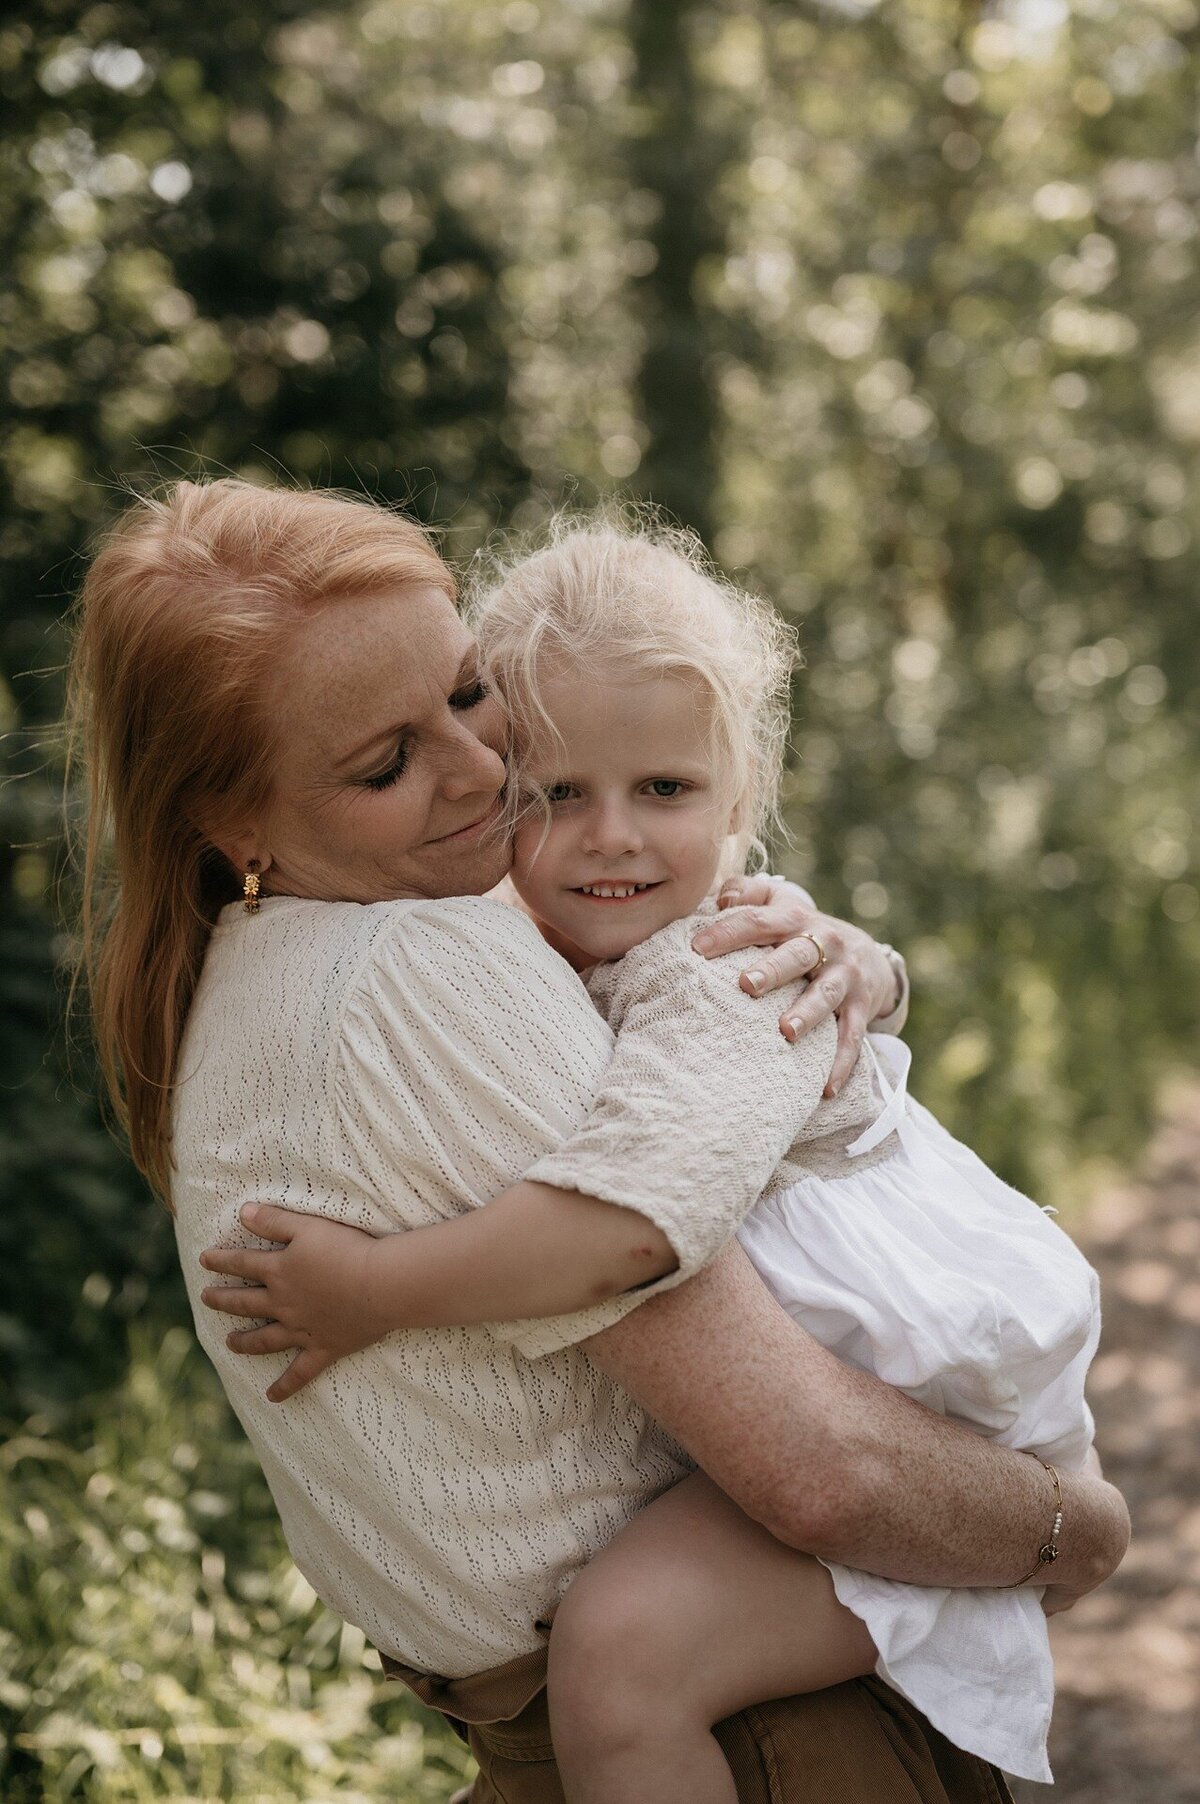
(407, 635)
(359, 665)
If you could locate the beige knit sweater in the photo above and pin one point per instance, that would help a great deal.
(393, 1065)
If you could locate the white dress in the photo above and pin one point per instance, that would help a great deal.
(934, 1274)
(892, 1244)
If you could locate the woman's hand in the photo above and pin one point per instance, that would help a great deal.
(315, 1290)
(857, 983)
(1104, 1497)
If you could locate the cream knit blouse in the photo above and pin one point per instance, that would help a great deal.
(390, 1066)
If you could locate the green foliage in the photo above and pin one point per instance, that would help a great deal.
(895, 302)
(155, 1641)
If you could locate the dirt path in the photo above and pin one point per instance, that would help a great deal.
(1127, 1721)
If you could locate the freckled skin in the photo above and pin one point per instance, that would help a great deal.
(359, 680)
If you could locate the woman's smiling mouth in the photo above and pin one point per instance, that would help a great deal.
(477, 826)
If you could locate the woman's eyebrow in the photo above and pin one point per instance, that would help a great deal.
(470, 667)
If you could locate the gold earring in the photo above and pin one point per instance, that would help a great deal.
(250, 887)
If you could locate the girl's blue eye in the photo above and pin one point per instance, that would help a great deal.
(558, 792)
(666, 787)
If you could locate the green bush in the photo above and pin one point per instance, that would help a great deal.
(155, 1640)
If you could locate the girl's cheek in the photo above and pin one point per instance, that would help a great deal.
(525, 845)
(535, 851)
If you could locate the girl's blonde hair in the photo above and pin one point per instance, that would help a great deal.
(623, 594)
(179, 625)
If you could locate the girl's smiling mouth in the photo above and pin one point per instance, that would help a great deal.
(613, 892)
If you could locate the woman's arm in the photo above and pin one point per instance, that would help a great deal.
(836, 1462)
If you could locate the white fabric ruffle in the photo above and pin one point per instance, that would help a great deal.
(931, 1272)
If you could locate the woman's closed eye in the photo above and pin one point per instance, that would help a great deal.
(461, 700)
(383, 779)
(470, 698)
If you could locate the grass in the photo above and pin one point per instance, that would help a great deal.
(155, 1640)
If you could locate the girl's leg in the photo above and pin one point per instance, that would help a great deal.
(691, 1614)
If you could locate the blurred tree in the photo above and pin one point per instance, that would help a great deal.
(958, 461)
(675, 157)
(188, 258)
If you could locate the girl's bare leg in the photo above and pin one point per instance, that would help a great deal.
(691, 1614)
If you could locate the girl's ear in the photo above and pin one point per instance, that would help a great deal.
(732, 862)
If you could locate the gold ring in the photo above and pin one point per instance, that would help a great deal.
(821, 958)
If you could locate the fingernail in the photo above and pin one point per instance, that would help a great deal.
(703, 942)
(248, 1212)
(756, 979)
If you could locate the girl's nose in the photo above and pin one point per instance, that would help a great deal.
(611, 832)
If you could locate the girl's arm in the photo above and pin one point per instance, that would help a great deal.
(330, 1289)
(694, 1113)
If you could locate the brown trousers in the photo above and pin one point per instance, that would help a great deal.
(859, 1743)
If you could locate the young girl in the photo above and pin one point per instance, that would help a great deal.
(649, 705)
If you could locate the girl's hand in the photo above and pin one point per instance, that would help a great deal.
(857, 983)
(315, 1291)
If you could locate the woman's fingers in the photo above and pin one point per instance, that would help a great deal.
(737, 892)
(739, 927)
(272, 1338)
(852, 1026)
(304, 1368)
(824, 995)
(237, 1299)
(794, 959)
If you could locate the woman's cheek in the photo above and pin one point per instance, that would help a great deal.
(402, 821)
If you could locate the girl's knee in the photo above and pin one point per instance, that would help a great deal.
(616, 1650)
(590, 1631)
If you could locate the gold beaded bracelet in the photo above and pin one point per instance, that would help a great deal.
(1048, 1551)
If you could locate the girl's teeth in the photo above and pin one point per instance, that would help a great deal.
(613, 891)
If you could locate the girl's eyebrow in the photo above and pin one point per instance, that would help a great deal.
(469, 667)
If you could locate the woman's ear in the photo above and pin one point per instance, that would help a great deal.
(240, 846)
(248, 854)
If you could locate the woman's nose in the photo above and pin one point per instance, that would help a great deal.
(473, 763)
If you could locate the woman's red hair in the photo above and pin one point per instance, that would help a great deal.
(179, 625)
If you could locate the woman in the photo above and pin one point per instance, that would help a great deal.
(282, 695)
